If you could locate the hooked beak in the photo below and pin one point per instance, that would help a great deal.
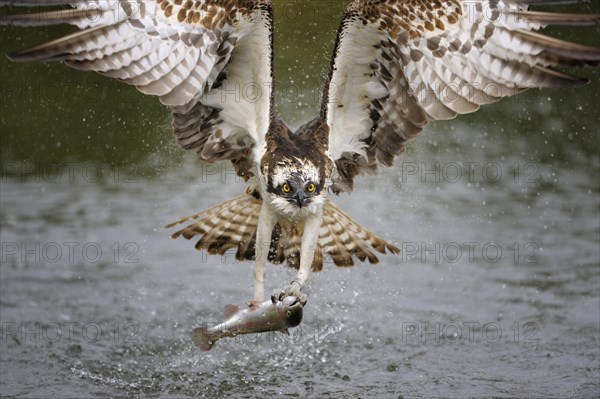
(300, 198)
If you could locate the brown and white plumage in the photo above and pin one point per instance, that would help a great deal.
(192, 55)
(396, 65)
(399, 64)
(232, 225)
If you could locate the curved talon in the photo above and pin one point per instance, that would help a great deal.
(303, 299)
(293, 289)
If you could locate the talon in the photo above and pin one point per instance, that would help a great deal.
(303, 299)
(291, 290)
(273, 299)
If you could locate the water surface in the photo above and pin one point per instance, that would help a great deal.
(496, 293)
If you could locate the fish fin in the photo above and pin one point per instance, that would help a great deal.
(230, 310)
(285, 331)
(200, 338)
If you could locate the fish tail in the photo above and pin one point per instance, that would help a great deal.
(201, 338)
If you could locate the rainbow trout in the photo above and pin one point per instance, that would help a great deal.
(268, 316)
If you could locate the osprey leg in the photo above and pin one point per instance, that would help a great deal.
(310, 238)
(266, 223)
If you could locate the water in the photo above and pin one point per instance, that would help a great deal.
(496, 293)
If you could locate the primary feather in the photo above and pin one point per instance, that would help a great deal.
(433, 60)
(193, 55)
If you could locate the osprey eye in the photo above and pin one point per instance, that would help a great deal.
(286, 188)
(311, 187)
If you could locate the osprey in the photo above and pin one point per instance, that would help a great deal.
(396, 66)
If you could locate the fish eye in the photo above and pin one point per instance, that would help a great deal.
(286, 188)
(311, 187)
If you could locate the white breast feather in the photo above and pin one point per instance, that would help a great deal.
(285, 209)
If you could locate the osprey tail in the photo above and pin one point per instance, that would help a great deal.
(232, 225)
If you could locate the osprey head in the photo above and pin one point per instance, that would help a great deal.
(295, 186)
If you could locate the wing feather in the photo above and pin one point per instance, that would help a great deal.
(232, 225)
(399, 64)
(211, 62)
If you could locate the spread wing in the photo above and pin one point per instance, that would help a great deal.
(399, 64)
(209, 61)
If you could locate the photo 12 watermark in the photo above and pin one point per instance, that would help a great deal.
(68, 172)
(469, 172)
(71, 331)
(470, 331)
(69, 252)
(470, 252)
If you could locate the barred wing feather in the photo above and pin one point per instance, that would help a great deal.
(399, 64)
(192, 55)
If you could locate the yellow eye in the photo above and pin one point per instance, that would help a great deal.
(311, 187)
(286, 188)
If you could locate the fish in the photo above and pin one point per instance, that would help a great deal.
(268, 316)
